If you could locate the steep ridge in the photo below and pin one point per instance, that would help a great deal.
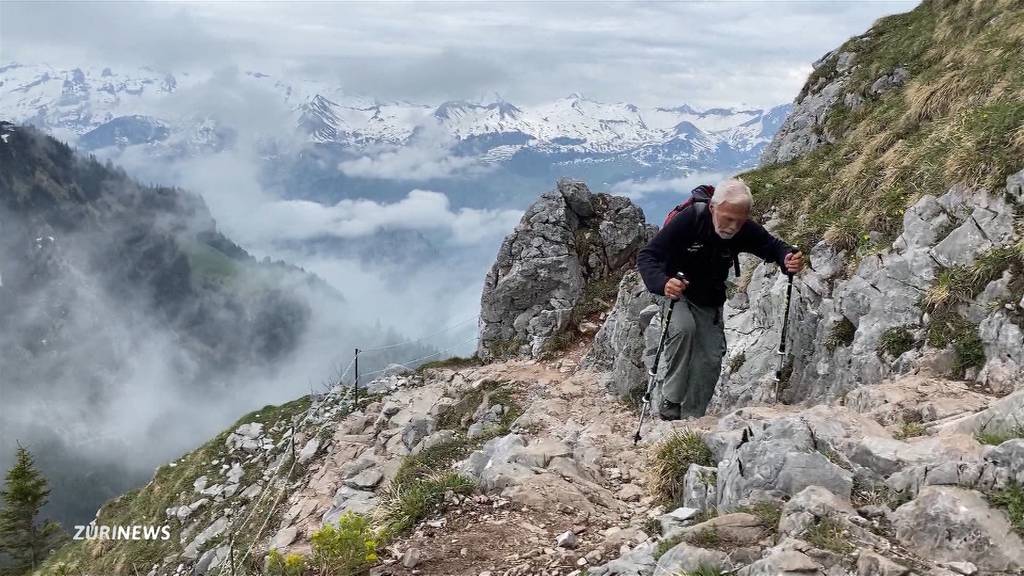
(893, 447)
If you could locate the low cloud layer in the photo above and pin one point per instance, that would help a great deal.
(428, 154)
(420, 210)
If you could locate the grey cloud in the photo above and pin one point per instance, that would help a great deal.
(447, 75)
(646, 53)
(163, 36)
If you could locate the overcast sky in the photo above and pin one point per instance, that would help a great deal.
(700, 53)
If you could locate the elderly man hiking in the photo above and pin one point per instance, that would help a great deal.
(701, 239)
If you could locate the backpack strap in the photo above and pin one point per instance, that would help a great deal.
(699, 207)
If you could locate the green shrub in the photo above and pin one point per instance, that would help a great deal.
(345, 548)
(672, 458)
(280, 565)
(896, 341)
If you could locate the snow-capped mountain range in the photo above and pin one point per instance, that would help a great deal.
(97, 107)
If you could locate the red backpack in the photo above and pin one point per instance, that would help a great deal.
(703, 194)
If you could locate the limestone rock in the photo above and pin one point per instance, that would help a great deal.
(565, 240)
(684, 558)
(618, 347)
(872, 564)
(953, 524)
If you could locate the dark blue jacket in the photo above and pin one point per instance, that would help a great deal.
(689, 244)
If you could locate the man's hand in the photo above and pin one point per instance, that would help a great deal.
(674, 288)
(794, 262)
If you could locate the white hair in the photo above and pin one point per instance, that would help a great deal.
(732, 191)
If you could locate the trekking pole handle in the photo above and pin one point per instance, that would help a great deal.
(793, 250)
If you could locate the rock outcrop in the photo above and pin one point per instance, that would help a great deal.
(883, 296)
(567, 243)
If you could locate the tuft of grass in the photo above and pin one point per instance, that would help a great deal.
(1011, 499)
(828, 534)
(599, 295)
(423, 479)
(909, 430)
(561, 342)
(432, 460)
(969, 352)
(769, 513)
(457, 415)
(949, 327)
(841, 334)
(652, 527)
(844, 233)
(707, 514)
(834, 457)
(736, 362)
(406, 503)
(453, 363)
(995, 438)
(503, 349)
(959, 285)
(704, 538)
(666, 545)
(672, 458)
(896, 341)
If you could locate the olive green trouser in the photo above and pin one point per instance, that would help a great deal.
(694, 347)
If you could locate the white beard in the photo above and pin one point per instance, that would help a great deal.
(723, 235)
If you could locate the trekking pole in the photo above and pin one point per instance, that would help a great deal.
(652, 373)
(782, 339)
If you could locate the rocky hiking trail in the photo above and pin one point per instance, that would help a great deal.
(569, 465)
(562, 490)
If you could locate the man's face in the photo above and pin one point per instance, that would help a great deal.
(728, 219)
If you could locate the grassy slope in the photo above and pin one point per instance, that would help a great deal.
(170, 486)
(958, 119)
